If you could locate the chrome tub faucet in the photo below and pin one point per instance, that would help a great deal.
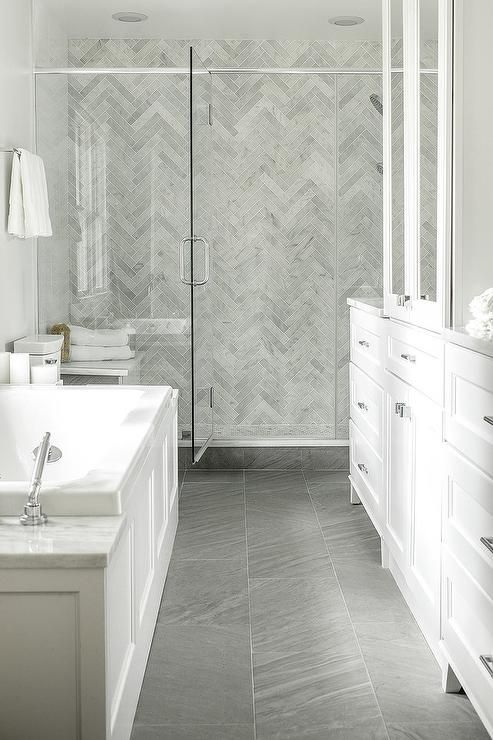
(32, 509)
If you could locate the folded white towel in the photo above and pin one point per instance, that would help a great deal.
(481, 329)
(88, 354)
(481, 306)
(29, 213)
(79, 335)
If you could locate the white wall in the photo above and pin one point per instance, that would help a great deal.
(17, 265)
(476, 160)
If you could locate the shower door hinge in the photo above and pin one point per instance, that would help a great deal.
(209, 114)
(403, 300)
(211, 397)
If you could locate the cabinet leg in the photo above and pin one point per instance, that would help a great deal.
(450, 682)
(353, 496)
(385, 553)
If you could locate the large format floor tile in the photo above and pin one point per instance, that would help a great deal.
(296, 555)
(352, 728)
(328, 687)
(197, 675)
(437, 731)
(296, 614)
(210, 592)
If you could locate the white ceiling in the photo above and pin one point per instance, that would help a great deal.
(216, 19)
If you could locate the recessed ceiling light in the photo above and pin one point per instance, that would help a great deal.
(129, 17)
(346, 20)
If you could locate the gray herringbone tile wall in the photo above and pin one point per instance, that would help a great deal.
(295, 202)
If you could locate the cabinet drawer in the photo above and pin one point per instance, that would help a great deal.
(366, 473)
(467, 632)
(367, 343)
(468, 518)
(366, 402)
(469, 405)
(416, 357)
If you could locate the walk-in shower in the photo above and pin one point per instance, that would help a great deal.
(285, 192)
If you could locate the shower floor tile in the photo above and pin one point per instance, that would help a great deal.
(278, 623)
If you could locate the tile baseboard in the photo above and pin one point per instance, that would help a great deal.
(269, 458)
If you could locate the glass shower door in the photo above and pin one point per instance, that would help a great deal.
(196, 254)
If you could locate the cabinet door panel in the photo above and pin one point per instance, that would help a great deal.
(398, 469)
(427, 481)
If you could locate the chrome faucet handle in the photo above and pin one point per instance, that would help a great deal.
(33, 514)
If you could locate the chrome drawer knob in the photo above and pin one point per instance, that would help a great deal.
(362, 406)
(363, 468)
(409, 358)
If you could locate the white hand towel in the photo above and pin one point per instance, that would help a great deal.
(481, 306)
(88, 354)
(81, 336)
(29, 211)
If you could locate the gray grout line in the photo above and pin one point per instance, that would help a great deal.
(347, 610)
(249, 609)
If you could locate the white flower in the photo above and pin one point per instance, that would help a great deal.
(480, 328)
(481, 306)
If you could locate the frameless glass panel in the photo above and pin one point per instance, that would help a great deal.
(199, 252)
(397, 152)
(116, 152)
(428, 149)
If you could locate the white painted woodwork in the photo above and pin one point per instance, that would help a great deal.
(366, 343)
(416, 356)
(366, 475)
(90, 629)
(367, 407)
(468, 400)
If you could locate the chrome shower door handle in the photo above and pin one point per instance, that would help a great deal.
(191, 240)
(183, 277)
(205, 279)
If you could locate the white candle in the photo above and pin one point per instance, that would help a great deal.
(19, 368)
(4, 367)
(44, 374)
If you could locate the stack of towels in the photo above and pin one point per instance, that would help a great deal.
(481, 308)
(87, 345)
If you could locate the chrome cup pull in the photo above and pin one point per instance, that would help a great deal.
(487, 661)
(362, 406)
(488, 419)
(363, 468)
(364, 343)
(488, 543)
(409, 358)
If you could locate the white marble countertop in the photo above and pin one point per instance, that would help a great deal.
(373, 306)
(63, 542)
(463, 339)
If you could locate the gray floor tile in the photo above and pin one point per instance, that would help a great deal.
(288, 511)
(197, 675)
(437, 731)
(283, 458)
(325, 688)
(280, 481)
(193, 732)
(294, 555)
(353, 539)
(211, 592)
(327, 482)
(200, 482)
(407, 678)
(354, 728)
(370, 592)
(325, 458)
(290, 615)
(214, 533)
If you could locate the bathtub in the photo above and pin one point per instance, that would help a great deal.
(103, 433)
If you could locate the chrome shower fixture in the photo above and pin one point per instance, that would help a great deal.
(376, 102)
(379, 167)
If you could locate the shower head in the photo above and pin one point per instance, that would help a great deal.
(379, 167)
(376, 103)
